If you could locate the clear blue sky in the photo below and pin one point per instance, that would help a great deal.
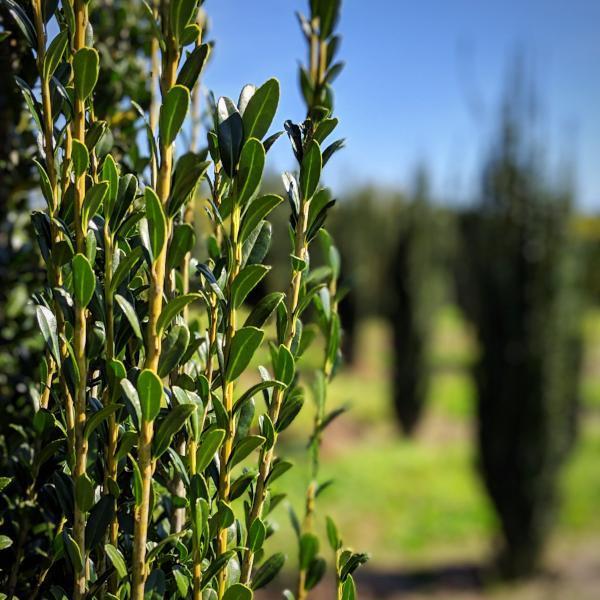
(423, 80)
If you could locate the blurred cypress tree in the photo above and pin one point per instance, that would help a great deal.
(520, 290)
(414, 296)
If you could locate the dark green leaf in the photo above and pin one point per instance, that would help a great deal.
(261, 109)
(193, 65)
(117, 560)
(309, 547)
(174, 421)
(230, 134)
(84, 280)
(182, 242)
(173, 308)
(310, 170)
(157, 222)
(243, 345)
(47, 323)
(238, 591)
(85, 71)
(93, 200)
(150, 391)
(81, 158)
(173, 349)
(99, 521)
(250, 170)
(84, 493)
(244, 447)
(211, 442)
(264, 309)
(130, 314)
(54, 53)
(268, 571)
(94, 421)
(258, 210)
(247, 279)
(172, 113)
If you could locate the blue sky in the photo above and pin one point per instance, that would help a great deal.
(423, 80)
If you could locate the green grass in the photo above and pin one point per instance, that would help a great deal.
(418, 501)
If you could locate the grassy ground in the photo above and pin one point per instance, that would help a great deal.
(419, 503)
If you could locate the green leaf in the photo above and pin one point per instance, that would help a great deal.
(256, 535)
(73, 552)
(264, 309)
(173, 308)
(258, 210)
(84, 492)
(193, 65)
(230, 134)
(332, 534)
(315, 573)
(47, 323)
(324, 128)
(172, 113)
(110, 173)
(349, 589)
(157, 222)
(84, 280)
(85, 71)
(268, 571)
(80, 157)
(247, 279)
(283, 364)
(117, 560)
(310, 170)
(130, 314)
(5, 542)
(23, 22)
(258, 387)
(173, 349)
(181, 13)
(4, 481)
(250, 170)
(150, 390)
(309, 546)
(94, 421)
(174, 421)
(182, 242)
(261, 109)
(99, 521)
(93, 199)
(211, 442)
(238, 591)
(54, 54)
(243, 345)
(244, 447)
(137, 481)
(190, 169)
(45, 184)
(126, 267)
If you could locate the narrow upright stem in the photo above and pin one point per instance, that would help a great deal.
(153, 341)
(266, 456)
(226, 448)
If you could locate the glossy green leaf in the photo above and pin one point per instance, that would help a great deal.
(258, 210)
(264, 309)
(73, 552)
(182, 242)
(110, 173)
(193, 65)
(310, 170)
(96, 419)
(173, 308)
(93, 200)
(174, 421)
(117, 560)
(349, 589)
(243, 345)
(172, 113)
(85, 71)
(80, 157)
(125, 268)
(23, 22)
(246, 280)
(238, 591)
(84, 280)
(99, 521)
(150, 391)
(173, 349)
(268, 571)
(181, 13)
(250, 170)
(54, 54)
(47, 324)
(256, 535)
(84, 492)
(261, 108)
(157, 222)
(130, 314)
(230, 134)
(209, 445)
(283, 364)
(244, 447)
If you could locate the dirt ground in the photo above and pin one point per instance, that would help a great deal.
(572, 572)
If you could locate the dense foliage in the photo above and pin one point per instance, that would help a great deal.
(151, 469)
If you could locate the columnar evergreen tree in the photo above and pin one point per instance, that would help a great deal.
(146, 425)
(520, 290)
